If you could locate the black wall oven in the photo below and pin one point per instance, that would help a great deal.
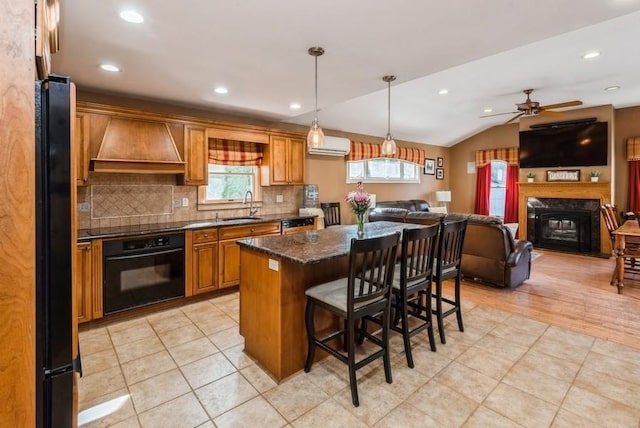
(142, 270)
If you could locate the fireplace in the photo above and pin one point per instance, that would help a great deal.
(563, 229)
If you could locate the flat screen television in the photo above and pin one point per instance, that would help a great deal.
(567, 145)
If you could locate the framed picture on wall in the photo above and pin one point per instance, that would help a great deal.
(439, 173)
(440, 163)
(430, 166)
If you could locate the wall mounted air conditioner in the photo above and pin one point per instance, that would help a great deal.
(333, 146)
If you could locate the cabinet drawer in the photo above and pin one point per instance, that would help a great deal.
(205, 235)
(232, 232)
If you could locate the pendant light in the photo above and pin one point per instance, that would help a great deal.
(388, 145)
(315, 138)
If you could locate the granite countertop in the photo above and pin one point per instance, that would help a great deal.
(142, 229)
(317, 245)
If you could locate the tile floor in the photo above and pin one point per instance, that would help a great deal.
(185, 367)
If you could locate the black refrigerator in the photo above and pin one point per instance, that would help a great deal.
(54, 251)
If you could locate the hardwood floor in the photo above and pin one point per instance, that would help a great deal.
(573, 292)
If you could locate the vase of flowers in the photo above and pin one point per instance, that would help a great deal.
(359, 202)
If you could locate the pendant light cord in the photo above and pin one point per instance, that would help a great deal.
(389, 108)
(316, 79)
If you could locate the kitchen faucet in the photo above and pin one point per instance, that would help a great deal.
(252, 210)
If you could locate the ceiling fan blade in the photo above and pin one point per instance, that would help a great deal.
(499, 114)
(514, 118)
(550, 113)
(560, 105)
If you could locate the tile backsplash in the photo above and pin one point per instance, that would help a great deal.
(113, 200)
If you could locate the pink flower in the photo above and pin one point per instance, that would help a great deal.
(359, 201)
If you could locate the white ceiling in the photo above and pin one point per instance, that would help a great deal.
(484, 53)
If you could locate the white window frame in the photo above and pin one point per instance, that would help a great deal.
(364, 179)
(214, 204)
(491, 187)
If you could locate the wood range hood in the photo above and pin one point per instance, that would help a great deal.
(138, 146)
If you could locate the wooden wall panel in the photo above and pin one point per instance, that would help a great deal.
(17, 214)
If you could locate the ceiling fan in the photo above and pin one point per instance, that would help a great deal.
(530, 107)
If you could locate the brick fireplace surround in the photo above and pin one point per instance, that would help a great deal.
(565, 190)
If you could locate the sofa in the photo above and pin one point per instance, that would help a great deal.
(490, 253)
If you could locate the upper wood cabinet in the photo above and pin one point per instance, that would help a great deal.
(81, 147)
(283, 162)
(195, 155)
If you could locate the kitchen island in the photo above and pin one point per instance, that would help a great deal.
(275, 272)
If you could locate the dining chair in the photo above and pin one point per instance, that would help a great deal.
(447, 265)
(631, 254)
(412, 288)
(365, 291)
(331, 212)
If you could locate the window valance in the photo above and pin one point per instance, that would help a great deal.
(232, 152)
(363, 151)
(633, 148)
(509, 155)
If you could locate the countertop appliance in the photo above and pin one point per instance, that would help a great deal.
(54, 251)
(142, 270)
(296, 222)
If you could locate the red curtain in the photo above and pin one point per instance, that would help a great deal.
(511, 199)
(483, 187)
(633, 204)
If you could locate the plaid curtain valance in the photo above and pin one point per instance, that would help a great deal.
(363, 151)
(231, 152)
(633, 148)
(509, 155)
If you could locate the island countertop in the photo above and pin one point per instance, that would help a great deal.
(319, 245)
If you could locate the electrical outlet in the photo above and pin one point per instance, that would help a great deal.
(84, 207)
(185, 202)
(279, 199)
(177, 203)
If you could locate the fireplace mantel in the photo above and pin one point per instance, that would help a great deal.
(565, 190)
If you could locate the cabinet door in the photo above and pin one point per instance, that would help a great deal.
(278, 147)
(296, 161)
(82, 281)
(195, 153)
(229, 263)
(81, 147)
(205, 267)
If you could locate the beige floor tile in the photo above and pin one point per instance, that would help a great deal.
(258, 378)
(468, 382)
(137, 332)
(238, 357)
(227, 338)
(527, 325)
(95, 340)
(180, 335)
(200, 311)
(501, 347)
(184, 411)
(443, 404)
(99, 384)
(148, 366)
(249, 413)
(565, 419)
(615, 350)
(98, 361)
(407, 416)
(599, 409)
(113, 411)
(607, 386)
(229, 307)
(207, 370)
(141, 348)
(514, 334)
(456, 344)
(430, 363)
(329, 377)
(614, 367)
(550, 365)
(169, 321)
(131, 422)
(375, 400)
(484, 417)
(521, 407)
(485, 362)
(538, 384)
(562, 350)
(328, 414)
(207, 424)
(295, 396)
(213, 324)
(128, 324)
(224, 394)
(406, 380)
(192, 351)
(157, 390)
(568, 336)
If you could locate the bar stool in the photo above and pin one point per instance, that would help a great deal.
(331, 212)
(447, 266)
(365, 291)
(412, 287)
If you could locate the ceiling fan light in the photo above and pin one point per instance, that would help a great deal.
(388, 146)
(315, 137)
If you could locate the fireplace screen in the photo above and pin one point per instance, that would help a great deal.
(561, 229)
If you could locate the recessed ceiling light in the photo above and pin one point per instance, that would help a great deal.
(131, 16)
(591, 55)
(109, 67)
(295, 106)
(443, 91)
(488, 110)
(221, 90)
(612, 88)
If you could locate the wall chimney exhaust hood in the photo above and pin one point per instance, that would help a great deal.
(138, 146)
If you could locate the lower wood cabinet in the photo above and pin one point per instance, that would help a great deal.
(204, 261)
(83, 281)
